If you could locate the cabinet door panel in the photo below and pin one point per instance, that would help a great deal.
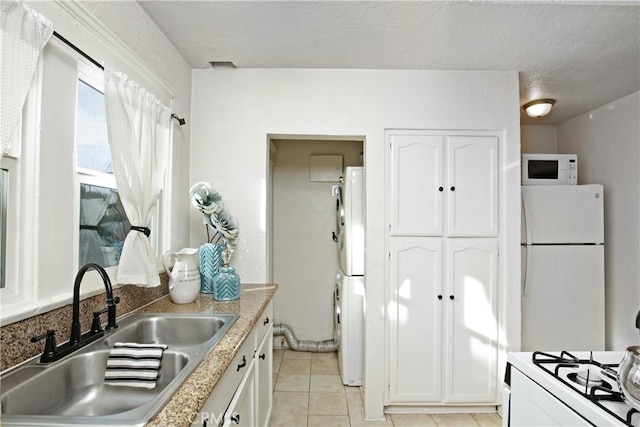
(414, 313)
(416, 179)
(264, 368)
(472, 322)
(241, 411)
(472, 186)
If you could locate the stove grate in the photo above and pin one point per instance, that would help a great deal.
(595, 394)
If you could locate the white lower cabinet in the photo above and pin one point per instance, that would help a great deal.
(442, 320)
(241, 411)
(264, 380)
(243, 395)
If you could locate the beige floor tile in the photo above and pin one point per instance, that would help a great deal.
(488, 420)
(276, 365)
(325, 356)
(328, 404)
(328, 421)
(454, 420)
(290, 354)
(354, 402)
(325, 366)
(292, 382)
(289, 409)
(296, 366)
(326, 383)
(412, 420)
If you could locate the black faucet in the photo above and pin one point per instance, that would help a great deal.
(51, 351)
(111, 302)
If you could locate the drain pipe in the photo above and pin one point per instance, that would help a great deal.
(294, 343)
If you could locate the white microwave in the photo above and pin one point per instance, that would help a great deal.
(549, 169)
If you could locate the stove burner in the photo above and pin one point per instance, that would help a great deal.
(588, 379)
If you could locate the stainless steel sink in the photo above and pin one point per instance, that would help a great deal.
(72, 391)
(184, 330)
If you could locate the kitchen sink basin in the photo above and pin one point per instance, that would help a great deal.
(184, 330)
(72, 390)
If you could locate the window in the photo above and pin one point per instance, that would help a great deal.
(103, 222)
(60, 204)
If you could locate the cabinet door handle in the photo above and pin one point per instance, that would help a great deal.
(235, 417)
(242, 365)
(266, 321)
(451, 297)
(262, 356)
(439, 296)
(440, 189)
(453, 188)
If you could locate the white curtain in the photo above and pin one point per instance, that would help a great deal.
(23, 34)
(91, 213)
(139, 128)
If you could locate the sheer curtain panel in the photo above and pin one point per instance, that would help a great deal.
(139, 128)
(23, 34)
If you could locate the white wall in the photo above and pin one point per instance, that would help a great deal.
(538, 139)
(304, 256)
(235, 111)
(607, 141)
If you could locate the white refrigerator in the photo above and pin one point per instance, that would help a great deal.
(563, 267)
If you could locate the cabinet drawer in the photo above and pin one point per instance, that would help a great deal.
(265, 322)
(217, 403)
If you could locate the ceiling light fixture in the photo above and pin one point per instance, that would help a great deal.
(539, 107)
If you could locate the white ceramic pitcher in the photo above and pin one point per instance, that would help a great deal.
(184, 279)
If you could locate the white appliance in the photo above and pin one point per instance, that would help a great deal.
(349, 327)
(549, 169)
(349, 289)
(566, 389)
(351, 221)
(563, 267)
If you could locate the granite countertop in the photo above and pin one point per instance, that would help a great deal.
(196, 389)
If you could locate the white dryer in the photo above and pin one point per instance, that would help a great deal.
(349, 327)
(350, 217)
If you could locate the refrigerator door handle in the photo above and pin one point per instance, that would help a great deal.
(527, 230)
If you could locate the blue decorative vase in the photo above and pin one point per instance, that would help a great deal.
(210, 263)
(226, 284)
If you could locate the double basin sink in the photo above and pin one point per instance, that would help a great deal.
(72, 390)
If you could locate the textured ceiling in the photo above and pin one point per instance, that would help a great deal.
(583, 54)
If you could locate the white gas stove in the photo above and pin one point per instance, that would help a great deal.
(566, 389)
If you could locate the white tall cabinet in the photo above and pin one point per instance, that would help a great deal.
(443, 268)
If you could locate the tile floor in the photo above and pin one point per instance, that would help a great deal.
(308, 392)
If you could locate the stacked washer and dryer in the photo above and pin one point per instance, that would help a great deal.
(349, 290)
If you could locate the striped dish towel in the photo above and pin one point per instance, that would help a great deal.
(134, 365)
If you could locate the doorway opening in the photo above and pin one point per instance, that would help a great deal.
(302, 254)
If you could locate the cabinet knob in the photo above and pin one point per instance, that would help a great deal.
(235, 417)
(453, 188)
(439, 296)
(440, 189)
(242, 365)
(451, 297)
